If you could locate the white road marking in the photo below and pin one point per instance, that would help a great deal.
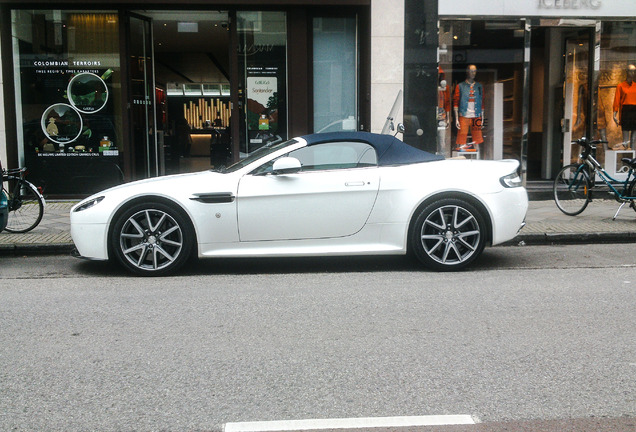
(348, 423)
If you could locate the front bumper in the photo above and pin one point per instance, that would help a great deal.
(90, 240)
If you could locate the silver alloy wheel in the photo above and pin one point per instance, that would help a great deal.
(151, 239)
(450, 235)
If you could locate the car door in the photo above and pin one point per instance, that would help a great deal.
(332, 195)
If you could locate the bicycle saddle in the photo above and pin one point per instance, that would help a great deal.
(629, 161)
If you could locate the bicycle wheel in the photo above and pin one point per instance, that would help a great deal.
(26, 206)
(572, 189)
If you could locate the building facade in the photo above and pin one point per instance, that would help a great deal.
(98, 93)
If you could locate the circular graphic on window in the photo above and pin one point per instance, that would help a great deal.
(62, 123)
(87, 92)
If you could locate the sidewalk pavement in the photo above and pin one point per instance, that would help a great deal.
(545, 224)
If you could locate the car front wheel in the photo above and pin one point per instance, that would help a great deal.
(448, 234)
(152, 239)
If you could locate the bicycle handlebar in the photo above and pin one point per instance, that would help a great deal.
(14, 172)
(585, 142)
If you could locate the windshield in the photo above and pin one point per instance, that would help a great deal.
(261, 152)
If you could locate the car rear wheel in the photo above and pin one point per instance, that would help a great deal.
(448, 234)
(152, 239)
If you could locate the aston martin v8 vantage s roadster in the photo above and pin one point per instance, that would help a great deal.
(345, 193)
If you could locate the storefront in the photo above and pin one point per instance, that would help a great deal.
(99, 96)
(546, 72)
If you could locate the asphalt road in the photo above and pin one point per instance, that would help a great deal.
(529, 334)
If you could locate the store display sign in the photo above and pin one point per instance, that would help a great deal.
(262, 100)
(543, 8)
(73, 104)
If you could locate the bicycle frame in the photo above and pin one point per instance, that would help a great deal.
(582, 177)
(16, 175)
(12, 195)
(597, 169)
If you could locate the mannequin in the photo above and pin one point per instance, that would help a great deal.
(469, 110)
(443, 112)
(625, 109)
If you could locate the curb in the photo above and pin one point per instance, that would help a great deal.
(36, 248)
(547, 239)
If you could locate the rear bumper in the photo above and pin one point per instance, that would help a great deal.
(508, 210)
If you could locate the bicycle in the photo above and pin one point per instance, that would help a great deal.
(573, 185)
(25, 202)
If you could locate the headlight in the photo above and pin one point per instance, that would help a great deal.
(511, 180)
(89, 204)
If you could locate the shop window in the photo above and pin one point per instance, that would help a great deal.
(68, 93)
(613, 118)
(335, 62)
(262, 78)
(491, 108)
(618, 40)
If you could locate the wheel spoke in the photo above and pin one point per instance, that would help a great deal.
(162, 251)
(171, 243)
(444, 257)
(458, 254)
(435, 225)
(135, 248)
(138, 227)
(465, 243)
(157, 225)
(169, 231)
(154, 258)
(464, 222)
(438, 238)
(142, 256)
(132, 236)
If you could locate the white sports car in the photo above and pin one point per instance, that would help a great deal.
(348, 193)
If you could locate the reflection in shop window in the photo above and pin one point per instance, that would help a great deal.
(335, 70)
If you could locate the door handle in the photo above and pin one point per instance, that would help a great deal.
(355, 183)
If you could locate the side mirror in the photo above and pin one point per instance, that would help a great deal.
(286, 165)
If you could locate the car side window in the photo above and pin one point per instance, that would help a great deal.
(337, 155)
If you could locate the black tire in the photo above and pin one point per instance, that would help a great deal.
(152, 239)
(571, 189)
(448, 234)
(26, 206)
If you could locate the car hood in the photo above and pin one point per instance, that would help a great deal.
(178, 186)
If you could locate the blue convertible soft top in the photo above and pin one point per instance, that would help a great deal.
(390, 150)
